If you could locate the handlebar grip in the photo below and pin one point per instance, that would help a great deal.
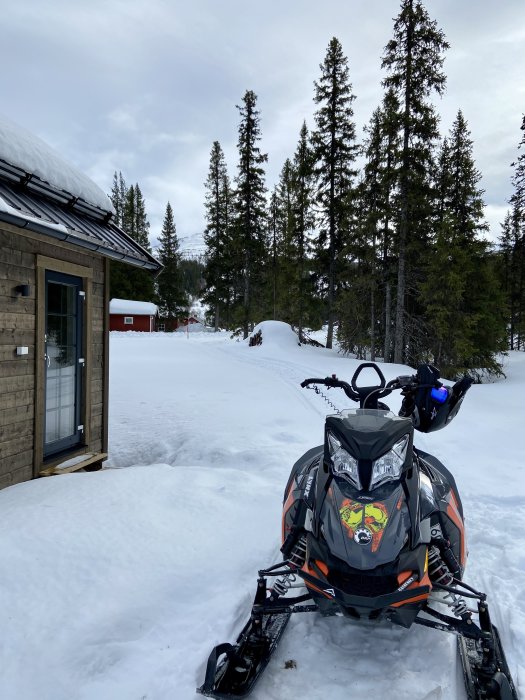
(312, 381)
(332, 382)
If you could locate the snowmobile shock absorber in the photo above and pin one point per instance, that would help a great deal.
(296, 559)
(446, 552)
(439, 574)
(437, 569)
(283, 585)
(298, 554)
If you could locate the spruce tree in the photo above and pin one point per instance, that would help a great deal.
(335, 152)
(517, 201)
(284, 256)
(464, 314)
(512, 273)
(250, 211)
(414, 60)
(291, 220)
(359, 301)
(118, 197)
(218, 271)
(305, 310)
(127, 282)
(275, 236)
(365, 305)
(173, 301)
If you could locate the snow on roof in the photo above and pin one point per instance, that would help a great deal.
(128, 306)
(8, 209)
(24, 150)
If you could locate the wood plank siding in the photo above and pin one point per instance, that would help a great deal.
(24, 257)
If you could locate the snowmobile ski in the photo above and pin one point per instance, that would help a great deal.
(233, 669)
(486, 677)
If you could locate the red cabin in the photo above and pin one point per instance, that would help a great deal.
(128, 315)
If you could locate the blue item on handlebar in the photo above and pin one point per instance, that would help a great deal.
(439, 395)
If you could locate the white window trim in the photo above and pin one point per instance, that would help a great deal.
(128, 320)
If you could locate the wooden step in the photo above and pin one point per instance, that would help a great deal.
(73, 464)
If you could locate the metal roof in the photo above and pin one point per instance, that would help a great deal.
(38, 207)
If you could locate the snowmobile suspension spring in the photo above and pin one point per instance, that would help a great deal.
(440, 574)
(296, 559)
(298, 554)
(458, 605)
(282, 585)
(437, 569)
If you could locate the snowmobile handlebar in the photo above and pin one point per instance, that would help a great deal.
(332, 383)
(430, 405)
(368, 396)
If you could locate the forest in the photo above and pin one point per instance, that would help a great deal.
(383, 240)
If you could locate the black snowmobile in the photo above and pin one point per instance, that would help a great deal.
(373, 529)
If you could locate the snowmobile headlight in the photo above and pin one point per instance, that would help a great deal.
(388, 467)
(342, 461)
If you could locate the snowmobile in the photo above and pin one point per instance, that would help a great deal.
(373, 529)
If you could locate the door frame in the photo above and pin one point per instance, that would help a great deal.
(75, 439)
(43, 264)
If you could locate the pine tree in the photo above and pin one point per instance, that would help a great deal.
(414, 61)
(173, 301)
(217, 236)
(335, 152)
(250, 210)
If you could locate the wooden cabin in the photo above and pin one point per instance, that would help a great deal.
(57, 240)
(129, 315)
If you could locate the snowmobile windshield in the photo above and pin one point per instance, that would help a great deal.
(368, 418)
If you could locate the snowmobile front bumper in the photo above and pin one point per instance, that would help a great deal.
(400, 607)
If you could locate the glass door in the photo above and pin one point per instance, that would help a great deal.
(63, 362)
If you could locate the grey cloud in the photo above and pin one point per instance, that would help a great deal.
(146, 86)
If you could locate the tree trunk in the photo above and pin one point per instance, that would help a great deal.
(403, 228)
(388, 323)
(246, 320)
(400, 301)
(372, 324)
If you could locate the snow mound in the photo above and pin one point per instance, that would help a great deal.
(24, 150)
(273, 333)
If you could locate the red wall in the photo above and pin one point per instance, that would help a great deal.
(140, 323)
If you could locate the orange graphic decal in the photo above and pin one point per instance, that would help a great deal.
(365, 522)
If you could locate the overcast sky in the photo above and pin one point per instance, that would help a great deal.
(146, 86)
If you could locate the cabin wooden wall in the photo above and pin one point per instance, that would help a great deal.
(19, 251)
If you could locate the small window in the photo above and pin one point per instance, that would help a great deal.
(162, 327)
(128, 320)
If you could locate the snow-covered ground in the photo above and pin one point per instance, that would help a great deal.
(115, 585)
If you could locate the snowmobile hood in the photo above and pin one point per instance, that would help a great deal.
(365, 532)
